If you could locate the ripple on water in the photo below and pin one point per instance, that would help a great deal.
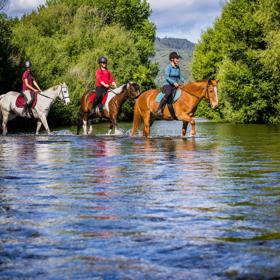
(105, 207)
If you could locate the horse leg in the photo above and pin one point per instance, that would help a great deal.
(5, 118)
(39, 124)
(184, 128)
(111, 126)
(79, 121)
(43, 119)
(89, 125)
(147, 123)
(85, 124)
(193, 131)
(187, 118)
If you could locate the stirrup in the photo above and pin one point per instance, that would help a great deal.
(159, 112)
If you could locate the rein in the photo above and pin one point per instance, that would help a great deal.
(111, 90)
(61, 91)
(45, 95)
(192, 94)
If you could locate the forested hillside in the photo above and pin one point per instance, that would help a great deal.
(166, 45)
(243, 51)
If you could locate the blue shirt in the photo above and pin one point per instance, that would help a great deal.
(173, 75)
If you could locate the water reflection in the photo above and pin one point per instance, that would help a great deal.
(162, 208)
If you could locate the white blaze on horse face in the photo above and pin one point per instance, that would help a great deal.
(214, 103)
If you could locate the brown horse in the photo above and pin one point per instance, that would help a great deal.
(184, 108)
(112, 105)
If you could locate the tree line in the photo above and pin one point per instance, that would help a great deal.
(64, 39)
(242, 50)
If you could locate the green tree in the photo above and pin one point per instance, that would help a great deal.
(8, 58)
(242, 51)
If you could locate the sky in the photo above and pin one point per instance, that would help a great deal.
(173, 18)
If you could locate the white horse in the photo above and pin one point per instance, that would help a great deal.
(45, 99)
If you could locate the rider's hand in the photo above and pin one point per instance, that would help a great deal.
(176, 85)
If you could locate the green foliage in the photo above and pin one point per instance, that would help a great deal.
(8, 58)
(65, 38)
(242, 51)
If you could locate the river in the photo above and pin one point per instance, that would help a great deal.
(107, 207)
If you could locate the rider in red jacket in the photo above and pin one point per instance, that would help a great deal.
(104, 79)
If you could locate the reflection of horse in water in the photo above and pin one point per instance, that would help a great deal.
(12, 104)
(184, 108)
(112, 103)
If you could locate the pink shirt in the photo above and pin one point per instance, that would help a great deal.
(27, 75)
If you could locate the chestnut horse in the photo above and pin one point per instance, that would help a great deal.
(115, 99)
(184, 108)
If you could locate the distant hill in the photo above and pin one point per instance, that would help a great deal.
(164, 46)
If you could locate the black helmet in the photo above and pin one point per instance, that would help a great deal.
(102, 59)
(173, 55)
(27, 64)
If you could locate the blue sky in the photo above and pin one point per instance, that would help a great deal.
(173, 18)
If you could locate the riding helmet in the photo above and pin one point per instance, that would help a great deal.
(28, 64)
(174, 55)
(102, 59)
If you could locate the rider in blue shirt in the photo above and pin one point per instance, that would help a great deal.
(173, 77)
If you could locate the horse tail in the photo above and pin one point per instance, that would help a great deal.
(136, 119)
(79, 121)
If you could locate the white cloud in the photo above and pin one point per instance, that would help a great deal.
(21, 7)
(173, 18)
(184, 18)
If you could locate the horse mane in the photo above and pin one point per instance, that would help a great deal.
(119, 89)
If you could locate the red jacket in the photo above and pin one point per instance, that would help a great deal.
(104, 76)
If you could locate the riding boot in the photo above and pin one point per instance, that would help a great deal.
(25, 109)
(100, 107)
(161, 106)
(29, 107)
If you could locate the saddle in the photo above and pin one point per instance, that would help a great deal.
(171, 100)
(174, 97)
(92, 97)
(21, 101)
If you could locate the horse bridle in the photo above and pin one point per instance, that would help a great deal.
(61, 91)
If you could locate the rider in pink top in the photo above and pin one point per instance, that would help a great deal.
(29, 86)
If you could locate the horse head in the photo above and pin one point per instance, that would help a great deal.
(64, 93)
(133, 90)
(212, 93)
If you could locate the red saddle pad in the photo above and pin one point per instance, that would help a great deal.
(92, 97)
(20, 101)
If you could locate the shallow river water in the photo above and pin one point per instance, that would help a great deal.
(105, 207)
